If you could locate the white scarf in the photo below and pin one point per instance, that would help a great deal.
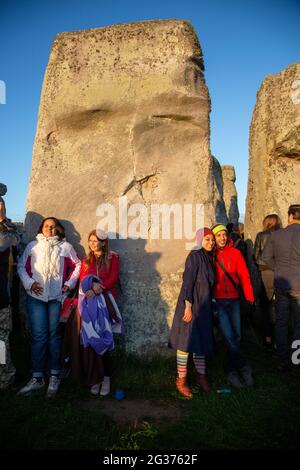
(51, 265)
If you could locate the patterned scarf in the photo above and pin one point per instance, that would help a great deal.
(51, 265)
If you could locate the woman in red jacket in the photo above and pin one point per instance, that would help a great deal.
(231, 272)
(101, 262)
(87, 366)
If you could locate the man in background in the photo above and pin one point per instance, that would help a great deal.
(282, 255)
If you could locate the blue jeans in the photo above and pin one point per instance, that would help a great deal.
(46, 340)
(228, 314)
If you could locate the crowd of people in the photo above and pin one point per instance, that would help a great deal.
(216, 283)
(73, 314)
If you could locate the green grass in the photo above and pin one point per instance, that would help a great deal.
(267, 416)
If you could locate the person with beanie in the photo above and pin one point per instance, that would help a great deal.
(192, 328)
(232, 280)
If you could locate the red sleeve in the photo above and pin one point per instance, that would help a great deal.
(244, 277)
(113, 275)
(84, 270)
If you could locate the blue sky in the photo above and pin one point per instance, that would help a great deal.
(242, 43)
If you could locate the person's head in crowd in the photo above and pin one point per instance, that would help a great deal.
(236, 228)
(205, 239)
(294, 214)
(271, 223)
(50, 227)
(98, 246)
(2, 209)
(220, 234)
(229, 228)
(241, 230)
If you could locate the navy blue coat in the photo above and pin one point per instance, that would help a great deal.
(198, 281)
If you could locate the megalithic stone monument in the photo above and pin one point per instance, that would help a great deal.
(125, 112)
(274, 165)
(230, 193)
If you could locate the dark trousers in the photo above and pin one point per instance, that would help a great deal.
(267, 302)
(286, 302)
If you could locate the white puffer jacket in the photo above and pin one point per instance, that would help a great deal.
(50, 262)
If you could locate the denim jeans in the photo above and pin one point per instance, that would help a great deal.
(46, 340)
(286, 302)
(228, 314)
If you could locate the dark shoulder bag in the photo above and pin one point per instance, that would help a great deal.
(237, 286)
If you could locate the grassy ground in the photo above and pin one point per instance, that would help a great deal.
(267, 416)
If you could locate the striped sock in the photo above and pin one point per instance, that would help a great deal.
(182, 360)
(200, 363)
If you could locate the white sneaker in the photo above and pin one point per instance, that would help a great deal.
(32, 385)
(105, 387)
(53, 386)
(95, 389)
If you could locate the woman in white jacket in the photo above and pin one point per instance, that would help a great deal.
(48, 268)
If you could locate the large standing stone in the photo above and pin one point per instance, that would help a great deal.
(274, 171)
(230, 193)
(125, 111)
(218, 191)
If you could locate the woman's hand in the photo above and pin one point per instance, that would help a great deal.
(66, 288)
(97, 288)
(36, 288)
(89, 294)
(188, 314)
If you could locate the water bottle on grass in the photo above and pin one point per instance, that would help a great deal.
(224, 391)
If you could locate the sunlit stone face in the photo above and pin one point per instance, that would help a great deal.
(274, 164)
(125, 112)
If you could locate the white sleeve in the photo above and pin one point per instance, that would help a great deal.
(27, 281)
(71, 282)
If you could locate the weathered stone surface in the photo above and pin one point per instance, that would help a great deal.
(230, 193)
(125, 111)
(218, 192)
(274, 170)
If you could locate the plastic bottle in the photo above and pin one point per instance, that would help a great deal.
(119, 394)
(224, 391)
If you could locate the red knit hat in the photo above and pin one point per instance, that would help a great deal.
(201, 233)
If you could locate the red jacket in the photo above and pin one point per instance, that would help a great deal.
(235, 265)
(109, 277)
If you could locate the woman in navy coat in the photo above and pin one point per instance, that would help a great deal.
(192, 328)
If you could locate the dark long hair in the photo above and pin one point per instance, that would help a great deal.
(271, 223)
(103, 259)
(60, 229)
(211, 255)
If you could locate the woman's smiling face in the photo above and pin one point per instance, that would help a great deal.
(49, 228)
(208, 242)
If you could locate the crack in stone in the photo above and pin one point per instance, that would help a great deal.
(139, 183)
(283, 153)
(176, 117)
